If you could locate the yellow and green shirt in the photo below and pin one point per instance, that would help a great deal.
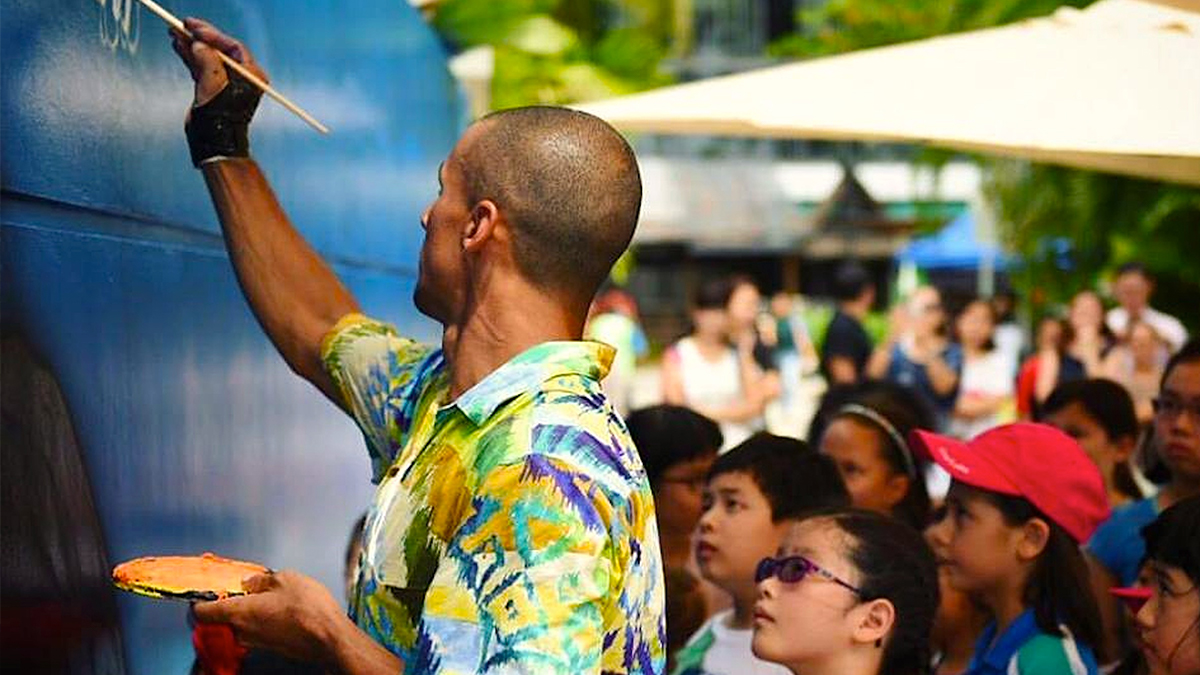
(512, 529)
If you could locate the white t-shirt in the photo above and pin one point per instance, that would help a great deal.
(713, 384)
(1168, 327)
(725, 651)
(987, 375)
(1010, 341)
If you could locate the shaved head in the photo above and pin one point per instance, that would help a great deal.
(567, 183)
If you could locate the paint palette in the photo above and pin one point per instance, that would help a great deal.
(202, 577)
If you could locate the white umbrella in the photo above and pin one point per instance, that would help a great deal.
(1115, 87)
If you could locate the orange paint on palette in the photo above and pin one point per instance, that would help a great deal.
(202, 577)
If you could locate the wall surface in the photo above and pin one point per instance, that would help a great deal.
(193, 434)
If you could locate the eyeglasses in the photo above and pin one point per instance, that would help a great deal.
(792, 569)
(1171, 407)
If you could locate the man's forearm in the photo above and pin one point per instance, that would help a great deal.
(292, 291)
(353, 652)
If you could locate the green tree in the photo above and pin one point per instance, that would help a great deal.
(845, 25)
(556, 51)
(1069, 228)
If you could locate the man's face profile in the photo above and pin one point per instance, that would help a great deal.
(440, 269)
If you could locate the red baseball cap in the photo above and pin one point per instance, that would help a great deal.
(1034, 461)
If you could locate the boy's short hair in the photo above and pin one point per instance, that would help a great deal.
(1105, 401)
(794, 479)
(666, 435)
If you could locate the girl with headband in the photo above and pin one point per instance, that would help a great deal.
(866, 438)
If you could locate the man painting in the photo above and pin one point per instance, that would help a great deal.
(513, 527)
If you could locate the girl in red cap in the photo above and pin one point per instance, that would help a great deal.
(1024, 497)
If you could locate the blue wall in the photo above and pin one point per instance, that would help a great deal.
(195, 434)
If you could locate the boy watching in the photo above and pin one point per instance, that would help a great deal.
(754, 493)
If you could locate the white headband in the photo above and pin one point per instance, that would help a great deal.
(880, 421)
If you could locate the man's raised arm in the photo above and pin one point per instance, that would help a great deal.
(294, 294)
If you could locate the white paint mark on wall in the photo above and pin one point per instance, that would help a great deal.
(120, 24)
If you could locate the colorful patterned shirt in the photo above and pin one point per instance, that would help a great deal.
(513, 528)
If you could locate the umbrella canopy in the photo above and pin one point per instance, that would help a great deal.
(956, 246)
(1115, 87)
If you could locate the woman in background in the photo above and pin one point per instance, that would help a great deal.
(1046, 368)
(706, 373)
(985, 392)
(1092, 339)
(1137, 364)
(916, 353)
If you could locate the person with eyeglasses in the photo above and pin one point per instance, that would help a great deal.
(678, 447)
(1176, 424)
(850, 592)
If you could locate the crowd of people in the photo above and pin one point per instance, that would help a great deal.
(961, 503)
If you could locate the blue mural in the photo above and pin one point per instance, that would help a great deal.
(192, 433)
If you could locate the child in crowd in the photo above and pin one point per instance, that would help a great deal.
(677, 447)
(1023, 498)
(1099, 415)
(866, 438)
(1117, 543)
(754, 492)
(959, 619)
(1168, 625)
(851, 592)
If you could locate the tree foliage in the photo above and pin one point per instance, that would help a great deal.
(845, 25)
(1071, 228)
(563, 51)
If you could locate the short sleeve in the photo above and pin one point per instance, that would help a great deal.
(523, 583)
(1118, 543)
(380, 377)
(839, 340)
(1053, 655)
(1000, 378)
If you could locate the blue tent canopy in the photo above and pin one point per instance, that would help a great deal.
(955, 246)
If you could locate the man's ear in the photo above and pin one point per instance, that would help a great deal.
(1034, 536)
(482, 226)
(875, 622)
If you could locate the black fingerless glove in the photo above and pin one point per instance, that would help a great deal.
(221, 127)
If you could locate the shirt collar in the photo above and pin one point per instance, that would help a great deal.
(1001, 652)
(528, 370)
